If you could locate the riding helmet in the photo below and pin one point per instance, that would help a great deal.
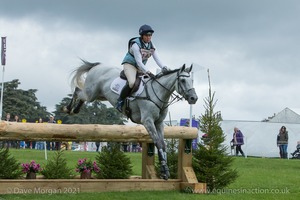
(145, 29)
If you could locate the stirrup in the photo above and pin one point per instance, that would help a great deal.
(119, 105)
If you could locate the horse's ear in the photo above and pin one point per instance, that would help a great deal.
(182, 68)
(191, 67)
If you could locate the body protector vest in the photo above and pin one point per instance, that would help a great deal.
(145, 49)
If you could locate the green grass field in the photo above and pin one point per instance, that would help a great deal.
(259, 178)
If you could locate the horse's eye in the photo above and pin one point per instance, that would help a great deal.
(183, 81)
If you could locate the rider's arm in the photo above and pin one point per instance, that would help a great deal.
(157, 60)
(138, 57)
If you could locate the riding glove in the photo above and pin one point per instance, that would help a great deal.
(164, 69)
(150, 74)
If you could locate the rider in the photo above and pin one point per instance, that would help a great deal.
(140, 49)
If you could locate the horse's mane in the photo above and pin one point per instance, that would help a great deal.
(171, 71)
(166, 73)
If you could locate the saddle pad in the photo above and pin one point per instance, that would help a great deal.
(118, 84)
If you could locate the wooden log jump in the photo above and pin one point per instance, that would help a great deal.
(94, 132)
(87, 132)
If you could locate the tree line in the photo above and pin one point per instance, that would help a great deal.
(25, 104)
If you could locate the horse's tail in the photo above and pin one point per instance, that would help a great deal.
(78, 79)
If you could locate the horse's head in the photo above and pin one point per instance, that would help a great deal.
(184, 84)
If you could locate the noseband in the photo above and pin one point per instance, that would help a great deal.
(179, 86)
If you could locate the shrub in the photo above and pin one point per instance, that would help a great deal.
(114, 163)
(56, 168)
(9, 166)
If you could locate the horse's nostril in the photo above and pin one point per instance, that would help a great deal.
(193, 99)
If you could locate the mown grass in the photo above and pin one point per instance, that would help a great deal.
(26, 155)
(259, 178)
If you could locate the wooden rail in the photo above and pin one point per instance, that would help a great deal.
(87, 132)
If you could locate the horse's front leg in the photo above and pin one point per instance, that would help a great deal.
(164, 169)
(156, 133)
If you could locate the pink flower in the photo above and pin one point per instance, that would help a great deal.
(31, 167)
(85, 165)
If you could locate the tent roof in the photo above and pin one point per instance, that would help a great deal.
(286, 116)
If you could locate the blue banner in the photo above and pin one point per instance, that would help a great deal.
(195, 123)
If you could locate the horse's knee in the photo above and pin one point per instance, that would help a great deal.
(160, 145)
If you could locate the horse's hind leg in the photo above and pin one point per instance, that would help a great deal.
(68, 108)
(77, 108)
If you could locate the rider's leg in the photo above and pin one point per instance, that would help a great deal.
(130, 72)
(124, 93)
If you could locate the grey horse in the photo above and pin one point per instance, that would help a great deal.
(92, 81)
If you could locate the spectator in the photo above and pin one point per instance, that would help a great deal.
(17, 143)
(134, 147)
(7, 117)
(282, 142)
(125, 146)
(40, 145)
(7, 143)
(51, 145)
(97, 146)
(238, 141)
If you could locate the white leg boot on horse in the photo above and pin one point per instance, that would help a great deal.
(164, 169)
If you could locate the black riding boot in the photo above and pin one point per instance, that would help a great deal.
(124, 93)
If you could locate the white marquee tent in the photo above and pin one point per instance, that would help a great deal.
(260, 137)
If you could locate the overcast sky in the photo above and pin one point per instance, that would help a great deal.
(251, 48)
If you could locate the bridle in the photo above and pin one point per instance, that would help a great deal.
(179, 86)
(174, 97)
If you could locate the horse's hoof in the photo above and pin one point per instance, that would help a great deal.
(164, 176)
(65, 109)
(165, 173)
(168, 174)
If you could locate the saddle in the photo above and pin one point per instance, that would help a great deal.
(137, 80)
(135, 88)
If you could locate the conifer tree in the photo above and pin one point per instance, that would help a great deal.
(57, 167)
(211, 163)
(10, 168)
(113, 163)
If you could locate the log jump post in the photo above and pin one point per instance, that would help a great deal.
(118, 133)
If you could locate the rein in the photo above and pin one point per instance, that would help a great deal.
(174, 97)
